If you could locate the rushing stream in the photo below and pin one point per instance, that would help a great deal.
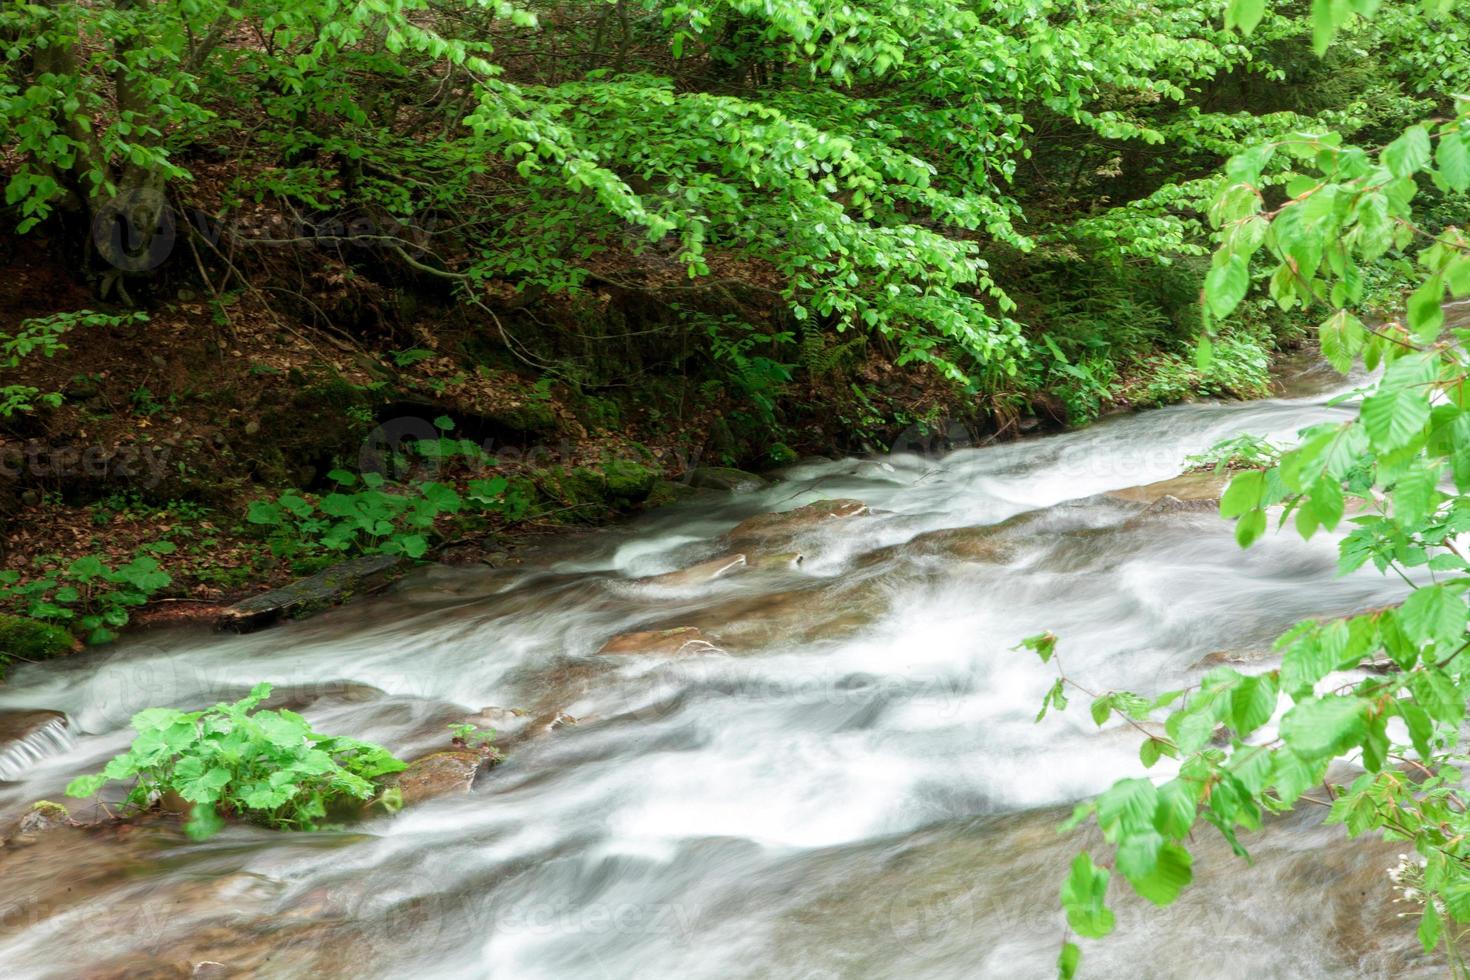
(852, 785)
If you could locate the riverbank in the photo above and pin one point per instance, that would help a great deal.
(866, 697)
(168, 429)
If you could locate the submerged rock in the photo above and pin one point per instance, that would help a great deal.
(1191, 491)
(27, 737)
(982, 544)
(310, 595)
(665, 643)
(705, 571)
(725, 478)
(763, 530)
(438, 774)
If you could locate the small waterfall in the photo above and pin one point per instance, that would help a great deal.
(43, 742)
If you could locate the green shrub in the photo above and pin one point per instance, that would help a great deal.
(89, 595)
(28, 639)
(377, 519)
(232, 760)
(1242, 452)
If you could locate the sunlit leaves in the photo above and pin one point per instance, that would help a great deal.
(1084, 899)
(1409, 153)
(1394, 418)
(266, 766)
(1324, 727)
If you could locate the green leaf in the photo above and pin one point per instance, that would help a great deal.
(1433, 614)
(1083, 899)
(1342, 336)
(1178, 804)
(1408, 154)
(1325, 727)
(1426, 315)
(1171, 872)
(1127, 805)
(1246, 492)
(1252, 703)
(85, 786)
(1245, 14)
(1429, 927)
(1042, 644)
(204, 822)
(1068, 961)
(1453, 159)
(1226, 285)
(1250, 527)
(1394, 418)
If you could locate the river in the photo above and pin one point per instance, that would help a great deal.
(851, 785)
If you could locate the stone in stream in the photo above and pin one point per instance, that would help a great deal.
(663, 643)
(1189, 491)
(722, 566)
(27, 737)
(725, 478)
(438, 774)
(825, 611)
(768, 531)
(705, 571)
(310, 595)
(978, 544)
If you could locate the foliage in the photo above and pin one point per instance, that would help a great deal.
(234, 760)
(42, 335)
(473, 737)
(378, 518)
(89, 595)
(1237, 453)
(858, 167)
(1248, 745)
(29, 640)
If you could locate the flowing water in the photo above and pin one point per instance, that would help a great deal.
(852, 786)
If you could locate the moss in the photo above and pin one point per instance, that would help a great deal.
(629, 481)
(598, 413)
(618, 484)
(27, 639)
(668, 492)
(578, 487)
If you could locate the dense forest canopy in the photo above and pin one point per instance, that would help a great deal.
(976, 186)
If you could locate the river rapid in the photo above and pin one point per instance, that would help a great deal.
(850, 783)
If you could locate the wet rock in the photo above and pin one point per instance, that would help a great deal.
(41, 818)
(662, 643)
(705, 571)
(1232, 658)
(776, 560)
(16, 726)
(438, 774)
(26, 737)
(725, 478)
(980, 544)
(1191, 491)
(669, 492)
(310, 595)
(542, 725)
(827, 611)
(763, 530)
